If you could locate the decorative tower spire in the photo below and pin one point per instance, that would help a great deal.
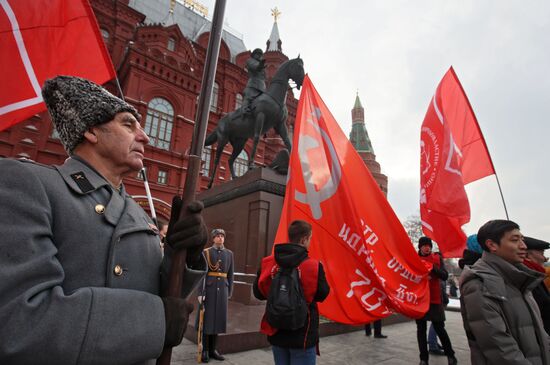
(360, 140)
(274, 42)
(359, 136)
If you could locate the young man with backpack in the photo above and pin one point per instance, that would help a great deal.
(293, 283)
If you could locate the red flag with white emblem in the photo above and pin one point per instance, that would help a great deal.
(452, 153)
(371, 266)
(41, 39)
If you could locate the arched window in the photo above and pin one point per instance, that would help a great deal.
(158, 123)
(214, 100)
(241, 164)
(238, 101)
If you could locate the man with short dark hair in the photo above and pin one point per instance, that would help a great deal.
(81, 267)
(294, 346)
(500, 316)
(436, 311)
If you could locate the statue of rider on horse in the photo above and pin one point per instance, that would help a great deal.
(259, 113)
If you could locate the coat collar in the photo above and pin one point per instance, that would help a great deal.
(80, 176)
(84, 179)
(495, 272)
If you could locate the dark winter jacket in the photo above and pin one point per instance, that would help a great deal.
(469, 258)
(501, 318)
(436, 311)
(541, 295)
(315, 286)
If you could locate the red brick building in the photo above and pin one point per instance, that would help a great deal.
(158, 49)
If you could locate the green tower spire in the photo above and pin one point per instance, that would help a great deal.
(359, 136)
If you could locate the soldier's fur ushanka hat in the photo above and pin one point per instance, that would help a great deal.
(75, 105)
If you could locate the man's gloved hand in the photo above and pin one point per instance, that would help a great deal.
(188, 233)
(176, 313)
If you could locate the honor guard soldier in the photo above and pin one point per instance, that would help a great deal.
(216, 290)
(80, 263)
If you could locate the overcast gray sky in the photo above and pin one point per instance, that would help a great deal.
(396, 52)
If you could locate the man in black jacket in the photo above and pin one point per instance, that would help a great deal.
(294, 346)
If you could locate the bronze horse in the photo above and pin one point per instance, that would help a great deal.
(268, 111)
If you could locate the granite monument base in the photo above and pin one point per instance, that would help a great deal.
(248, 209)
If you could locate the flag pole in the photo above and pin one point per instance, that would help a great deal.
(501, 195)
(483, 139)
(149, 197)
(175, 278)
(119, 88)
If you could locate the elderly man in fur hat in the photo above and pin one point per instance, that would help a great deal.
(80, 263)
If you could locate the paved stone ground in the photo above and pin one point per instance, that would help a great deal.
(354, 348)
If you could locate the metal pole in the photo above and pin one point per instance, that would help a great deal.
(149, 197)
(502, 196)
(194, 163)
(119, 88)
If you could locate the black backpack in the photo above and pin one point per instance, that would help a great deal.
(286, 306)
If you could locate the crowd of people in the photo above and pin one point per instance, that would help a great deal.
(84, 273)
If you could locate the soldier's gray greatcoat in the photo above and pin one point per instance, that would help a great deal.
(78, 284)
(217, 291)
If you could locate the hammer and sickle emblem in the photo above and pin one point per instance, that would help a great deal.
(313, 197)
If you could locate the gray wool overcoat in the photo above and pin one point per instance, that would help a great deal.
(217, 291)
(80, 269)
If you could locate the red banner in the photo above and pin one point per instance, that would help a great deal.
(41, 39)
(371, 265)
(452, 154)
(474, 158)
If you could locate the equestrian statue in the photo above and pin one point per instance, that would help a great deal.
(266, 111)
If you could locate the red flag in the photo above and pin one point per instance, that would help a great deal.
(41, 39)
(452, 153)
(371, 266)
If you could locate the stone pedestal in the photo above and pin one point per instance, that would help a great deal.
(248, 209)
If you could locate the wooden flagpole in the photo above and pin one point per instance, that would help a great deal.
(194, 163)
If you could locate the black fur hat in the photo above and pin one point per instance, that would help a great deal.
(76, 104)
